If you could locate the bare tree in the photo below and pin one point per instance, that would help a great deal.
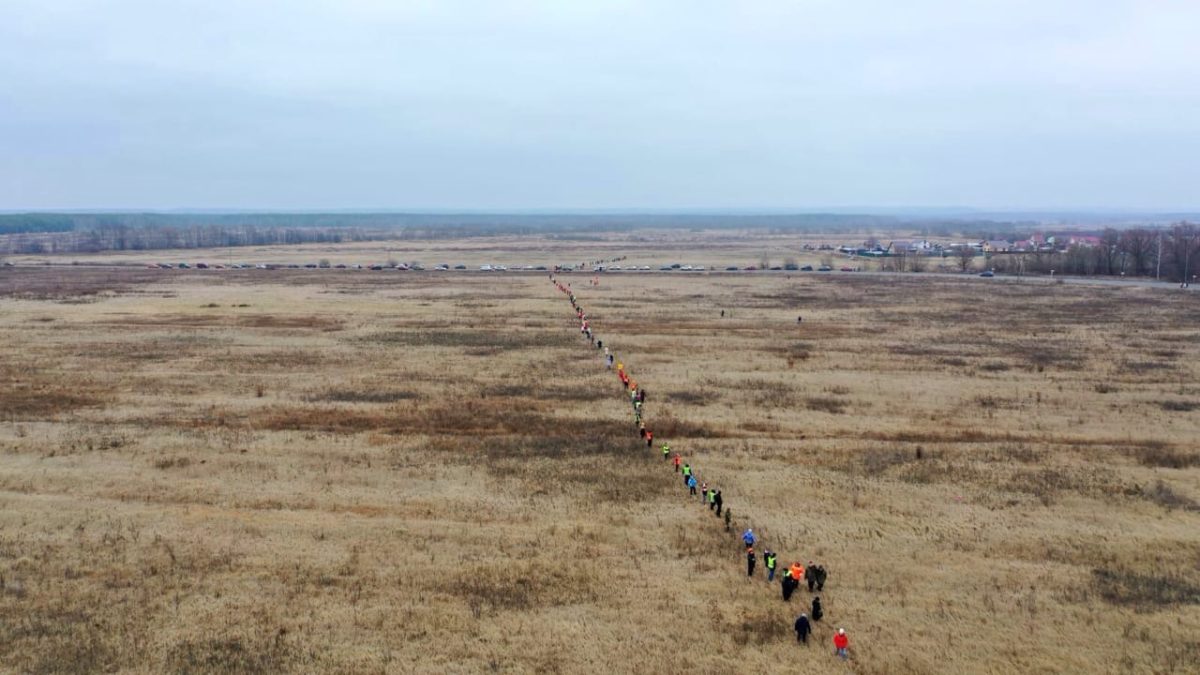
(1110, 247)
(917, 262)
(1140, 245)
(966, 257)
(1182, 251)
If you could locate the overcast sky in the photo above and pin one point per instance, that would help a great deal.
(309, 104)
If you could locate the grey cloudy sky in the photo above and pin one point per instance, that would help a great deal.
(506, 104)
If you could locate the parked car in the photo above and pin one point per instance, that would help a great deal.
(460, 267)
(806, 268)
(731, 268)
(791, 267)
(665, 268)
(824, 268)
(847, 269)
(752, 268)
(987, 274)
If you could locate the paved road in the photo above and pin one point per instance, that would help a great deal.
(973, 277)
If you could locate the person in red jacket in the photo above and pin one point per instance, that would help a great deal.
(841, 644)
(649, 438)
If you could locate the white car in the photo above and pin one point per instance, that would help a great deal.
(698, 268)
(686, 268)
(644, 268)
(615, 268)
(485, 268)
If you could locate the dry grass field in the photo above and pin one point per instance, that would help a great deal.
(322, 471)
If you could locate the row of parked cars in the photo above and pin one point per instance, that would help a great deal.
(445, 267)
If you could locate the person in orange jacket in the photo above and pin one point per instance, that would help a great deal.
(797, 571)
(841, 644)
(677, 460)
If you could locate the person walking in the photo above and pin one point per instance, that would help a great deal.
(797, 571)
(803, 628)
(649, 439)
(718, 501)
(712, 498)
(841, 644)
(750, 562)
(810, 575)
(704, 492)
(687, 472)
(769, 562)
(817, 611)
(821, 576)
(666, 451)
(789, 585)
(748, 537)
(676, 461)
(691, 483)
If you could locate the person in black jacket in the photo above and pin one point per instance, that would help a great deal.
(718, 501)
(803, 628)
(750, 562)
(817, 612)
(789, 585)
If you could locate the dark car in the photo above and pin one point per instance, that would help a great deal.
(460, 267)
(777, 268)
(987, 274)
(541, 268)
(806, 268)
(824, 268)
(847, 269)
(791, 267)
(731, 268)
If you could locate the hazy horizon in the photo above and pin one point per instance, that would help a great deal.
(1001, 106)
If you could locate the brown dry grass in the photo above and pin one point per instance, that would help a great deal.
(306, 473)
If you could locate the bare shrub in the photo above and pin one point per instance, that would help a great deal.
(828, 404)
(1144, 592)
(364, 395)
(1164, 495)
(760, 628)
(669, 426)
(472, 338)
(172, 462)
(264, 651)
(994, 367)
(1179, 406)
(698, 397)
(1162, 455)
(1143, 367)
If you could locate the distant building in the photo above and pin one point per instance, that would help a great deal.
(997, 246)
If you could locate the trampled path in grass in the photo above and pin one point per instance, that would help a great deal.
(732, 526)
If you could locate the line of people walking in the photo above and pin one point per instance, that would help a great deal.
(814, 575)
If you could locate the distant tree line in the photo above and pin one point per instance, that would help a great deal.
(1128, 252)
(149, 238)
